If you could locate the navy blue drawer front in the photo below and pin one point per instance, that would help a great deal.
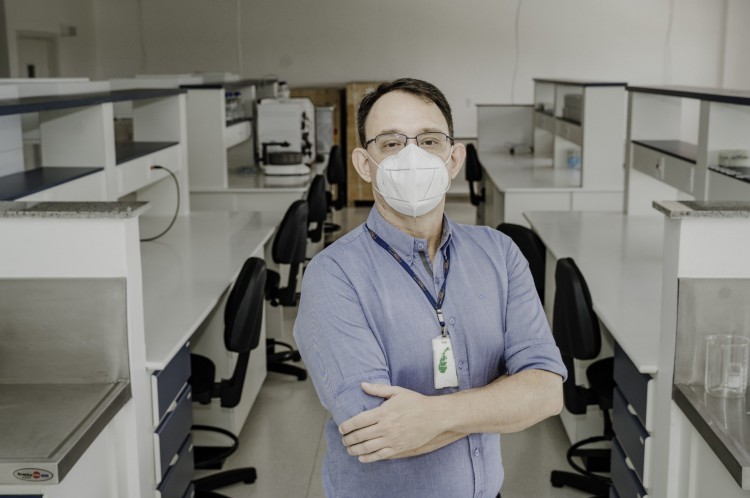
(625, 481)
(179, 476)
(630, 432)
(174, 429)
(169, 381)
(632, 383)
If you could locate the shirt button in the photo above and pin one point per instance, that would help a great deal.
(420, 246)
(460, 364)
(452, 321)
(476, 452)
(480, 494)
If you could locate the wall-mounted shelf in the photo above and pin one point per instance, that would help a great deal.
(18, 185)
(678, 135)
(76, 131)
(129, 151)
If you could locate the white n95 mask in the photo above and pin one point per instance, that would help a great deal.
(413, 181)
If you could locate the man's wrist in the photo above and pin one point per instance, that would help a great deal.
(443, 412)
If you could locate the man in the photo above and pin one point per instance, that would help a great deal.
(424, 339)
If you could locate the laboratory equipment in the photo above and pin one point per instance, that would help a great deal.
(285, 136)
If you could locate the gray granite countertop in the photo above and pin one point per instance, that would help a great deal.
(72, 209)
(703, 209)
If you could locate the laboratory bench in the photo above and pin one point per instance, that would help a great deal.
(574, 130)
(642, 272)
(161, 300)
(250, 189)
(513, 184)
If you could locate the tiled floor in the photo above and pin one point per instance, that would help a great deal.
(283, 440)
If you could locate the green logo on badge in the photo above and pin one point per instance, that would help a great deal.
(443, 365)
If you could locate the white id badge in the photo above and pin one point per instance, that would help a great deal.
(443, 363)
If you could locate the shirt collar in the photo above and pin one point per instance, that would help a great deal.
(403, 243)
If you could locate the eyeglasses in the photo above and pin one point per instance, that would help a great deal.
(435, 142)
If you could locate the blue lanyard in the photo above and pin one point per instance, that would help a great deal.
(436, 304)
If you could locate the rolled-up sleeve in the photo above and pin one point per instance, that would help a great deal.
(338, 347)
(528, 340)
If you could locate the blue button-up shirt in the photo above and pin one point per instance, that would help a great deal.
(362, 318)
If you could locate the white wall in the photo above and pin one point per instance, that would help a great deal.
(737, 62)
(76, 54)
(467, 48)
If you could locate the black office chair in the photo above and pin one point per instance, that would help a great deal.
(576, 331)
(474, 175)
(533, 250)
(336, 176)
(317, 208)
(243, 316)
(289, 246)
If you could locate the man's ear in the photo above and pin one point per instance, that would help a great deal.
(457, 159)
(362, 164)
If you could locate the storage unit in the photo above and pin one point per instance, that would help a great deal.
(81, 161)
(693, 141)
(356, 188)
(220, 128)
(326, 97)
(173, 417)
(632, 422)
(577, 131)
(580, 124)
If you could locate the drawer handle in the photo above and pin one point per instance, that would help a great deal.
(175, 459)
(171, 408)
(640, 438)
(632, 410)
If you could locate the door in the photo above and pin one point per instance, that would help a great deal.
(37, 56)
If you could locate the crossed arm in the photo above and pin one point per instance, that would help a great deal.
(408, 423)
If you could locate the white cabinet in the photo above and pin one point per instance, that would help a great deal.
(81, 161)
(581, 125)
(220, 129)
(692, 141)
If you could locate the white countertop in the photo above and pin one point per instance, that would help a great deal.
(251, 179)
(525, 173)
(186, 271)
(621, 258)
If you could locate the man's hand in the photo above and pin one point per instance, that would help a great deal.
(404, 422)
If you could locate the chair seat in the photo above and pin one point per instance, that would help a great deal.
(202, 374)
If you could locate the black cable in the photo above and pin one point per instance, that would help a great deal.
(177, 208)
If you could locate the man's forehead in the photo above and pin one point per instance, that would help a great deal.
(400, 112)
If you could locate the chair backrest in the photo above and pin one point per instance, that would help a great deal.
(243, 316)
(317, 207)
(533, 250)
(289, 247)
(290, 242)
(575, 328)
(473, 172)
(336, 175)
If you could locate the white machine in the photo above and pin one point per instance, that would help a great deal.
(285, 136)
